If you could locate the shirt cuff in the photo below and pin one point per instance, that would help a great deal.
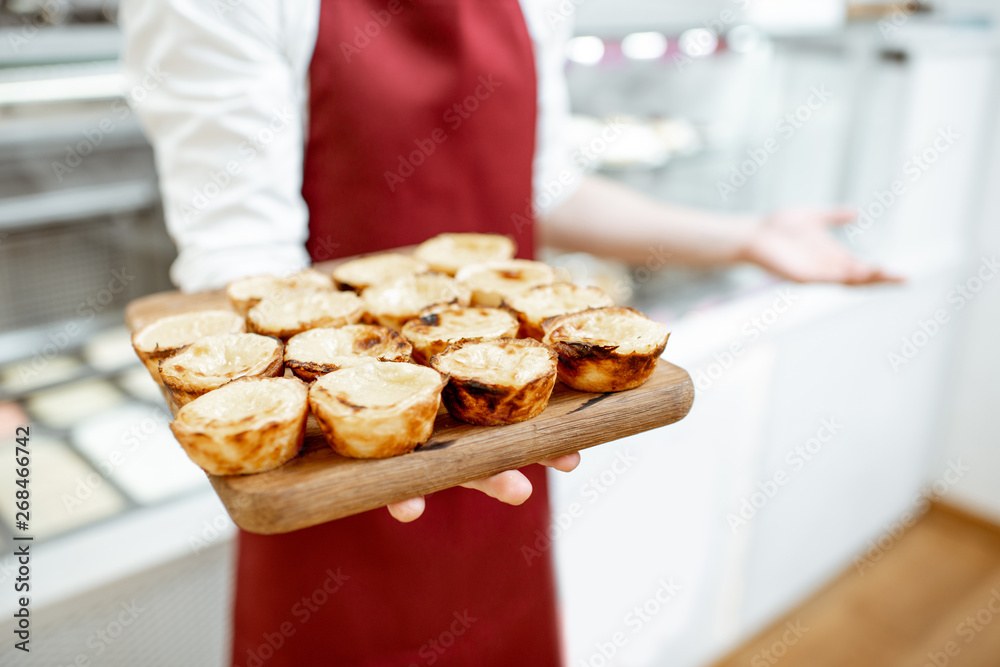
(196, 270)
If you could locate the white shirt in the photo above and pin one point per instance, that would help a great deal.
(221, 89)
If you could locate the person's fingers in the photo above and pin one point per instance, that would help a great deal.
(565, 463)
(855, 272)
(830, 215)
(883, 277)
(846, 273)
(876, 275)
(840, 215)
(509, 487)
(407, 510)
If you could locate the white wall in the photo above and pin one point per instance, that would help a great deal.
(973, 426)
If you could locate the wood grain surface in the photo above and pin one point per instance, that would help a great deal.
(906, 603)
(320, 486)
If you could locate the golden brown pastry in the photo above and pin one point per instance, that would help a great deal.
(246, 293)
(605, 349)
(364, 272)
(537, 304)
(249, 425)
(214, 361)
(438, 327)
(448, 253)
(395, 303)
(493, 281)
(377, 410)
(498, 381)
(169, 335)
(320, 351)
(296, 311)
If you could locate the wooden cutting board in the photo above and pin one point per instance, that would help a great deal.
(319, 485)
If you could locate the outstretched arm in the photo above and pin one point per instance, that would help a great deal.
(609, 219)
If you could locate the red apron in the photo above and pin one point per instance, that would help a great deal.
(422, 120)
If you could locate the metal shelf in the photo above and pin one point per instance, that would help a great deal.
(76, 204)
(61, 44)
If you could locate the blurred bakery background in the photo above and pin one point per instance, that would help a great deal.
(826, 418)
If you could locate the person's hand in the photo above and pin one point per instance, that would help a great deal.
(510, 487)
(796, 244)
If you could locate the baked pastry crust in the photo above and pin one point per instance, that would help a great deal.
(605, 349)
(246, 293)
(537, 304)
(300, 310)
(438, 327)
(499, 381)
(169, 335)
(377, 410)
(361, 273)
(448, 253)
(317, 352)
(249, 425)
(395, 303)
(214, 361)
(491, 282)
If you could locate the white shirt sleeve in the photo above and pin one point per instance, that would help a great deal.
(220, 90)
(220, 87)
(556, 175)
